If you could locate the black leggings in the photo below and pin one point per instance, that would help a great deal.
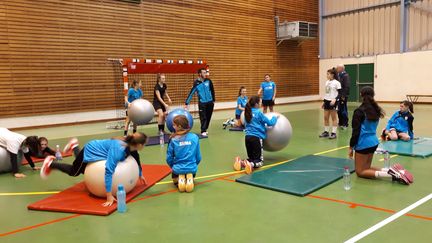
(74, 169)
(254, 150)
(78, 166)
(205, 114)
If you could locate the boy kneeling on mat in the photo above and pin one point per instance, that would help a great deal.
(183, 154)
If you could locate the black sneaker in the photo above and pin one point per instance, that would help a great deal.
(325, 134)
(332, 135)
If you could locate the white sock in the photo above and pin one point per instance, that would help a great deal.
(382, 174)
(334, 129)
(326, 128)
(385, 170)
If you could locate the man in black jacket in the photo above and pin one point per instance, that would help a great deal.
(344, 79)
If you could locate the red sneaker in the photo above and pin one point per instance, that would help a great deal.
(46, 170)
(404, 173)
(73, 142)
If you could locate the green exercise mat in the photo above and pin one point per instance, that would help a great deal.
(300, 176)
(421, 147)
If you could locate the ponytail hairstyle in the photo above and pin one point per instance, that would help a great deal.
(408, 104)
(135, 139)
(248, 109)
(333, 72)
(370, 107)
(240, 90)
(32, 143)
(158, 77)
(182, 125)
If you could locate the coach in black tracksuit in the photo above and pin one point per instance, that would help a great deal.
(344, 79)
(206, 98)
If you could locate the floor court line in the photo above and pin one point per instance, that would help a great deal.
(388, 220)
(168, 182)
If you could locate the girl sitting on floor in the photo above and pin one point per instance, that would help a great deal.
(400, 125)
(365, 142)
(183, 154)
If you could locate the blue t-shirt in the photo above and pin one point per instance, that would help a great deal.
(183, 154)
(242, 102)
(111, 150)
(134, 94)
(268, 90)
(257, 125)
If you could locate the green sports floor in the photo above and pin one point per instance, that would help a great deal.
(221, 210)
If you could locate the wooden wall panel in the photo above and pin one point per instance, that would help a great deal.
(54, 53)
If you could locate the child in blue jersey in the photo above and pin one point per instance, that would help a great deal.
(256, 123)
(111, 150)
(242, 100)
(183, 154)
(203, 86)
(268, 88)
(134, 93)
(364, 141)
(400, 125)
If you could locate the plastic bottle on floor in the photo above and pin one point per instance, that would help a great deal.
(161, 139)
(121, 199)
(347, 178)
(386, 160)
(58, 154)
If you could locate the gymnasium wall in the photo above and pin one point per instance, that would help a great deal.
(375, 30)
(396, 75)
(53, 54)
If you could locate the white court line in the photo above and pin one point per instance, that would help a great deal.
(389, 219)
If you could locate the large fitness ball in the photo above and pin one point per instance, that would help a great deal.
(279, 135)
(126, 173)
(5, 164)
(242, 118)
(176, 112)
(141, 112)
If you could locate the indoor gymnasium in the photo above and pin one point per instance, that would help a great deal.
(215, 121)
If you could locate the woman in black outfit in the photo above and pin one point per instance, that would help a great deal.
(159, 103)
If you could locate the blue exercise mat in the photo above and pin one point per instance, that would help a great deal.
(300, 176)
(421, 147)
(236, 129)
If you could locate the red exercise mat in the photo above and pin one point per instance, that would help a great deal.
(77, 199)
(37, 160)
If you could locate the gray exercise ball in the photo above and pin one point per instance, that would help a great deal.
(141, 112)
(279, 135)
(5, 164)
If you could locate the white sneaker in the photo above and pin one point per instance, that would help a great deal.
(204, 134)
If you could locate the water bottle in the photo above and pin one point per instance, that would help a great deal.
(121, 199)
(347, 178)
(386, 160)
(161, 139)
(58, 154)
